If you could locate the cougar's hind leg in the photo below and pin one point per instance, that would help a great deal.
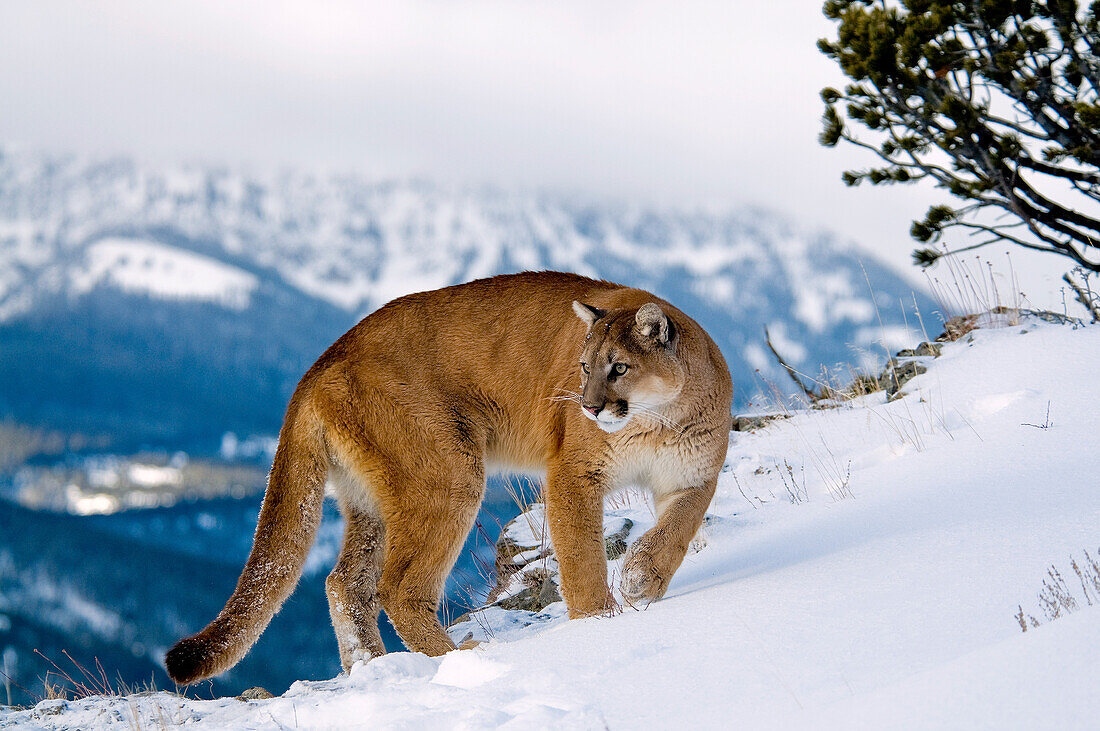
(426, 477)
(352, 587)
(423, 539)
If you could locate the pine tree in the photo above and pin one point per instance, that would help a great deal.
(995, 101)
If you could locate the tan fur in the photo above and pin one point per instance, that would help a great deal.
(406, 412)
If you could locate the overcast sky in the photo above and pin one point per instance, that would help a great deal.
(686, 103)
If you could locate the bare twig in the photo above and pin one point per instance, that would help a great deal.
(1047, 423)
(788, 368)
(1084, 295)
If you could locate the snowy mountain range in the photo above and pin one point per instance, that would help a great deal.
(168, 306)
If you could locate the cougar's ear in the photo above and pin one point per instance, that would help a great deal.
(652, 322)
(588, 313)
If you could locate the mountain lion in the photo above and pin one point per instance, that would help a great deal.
(406, 412)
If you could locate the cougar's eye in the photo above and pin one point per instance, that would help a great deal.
(584, 368)
(619, 368)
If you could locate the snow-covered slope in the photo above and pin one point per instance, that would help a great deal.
(157, 270)
(880, 591)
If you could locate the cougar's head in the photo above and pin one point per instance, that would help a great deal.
(629, 365)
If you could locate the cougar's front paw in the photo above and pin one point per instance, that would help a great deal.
(642, 583)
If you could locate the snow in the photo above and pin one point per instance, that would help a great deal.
(863, 568)
(148, 475)
(159, 270)
(94, 504)
(1047, 682)
(467, 670)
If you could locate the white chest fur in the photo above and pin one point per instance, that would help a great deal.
(661, 469)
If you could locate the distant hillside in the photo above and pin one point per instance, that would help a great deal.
(120, 589)
(74, 584)
(165, 373)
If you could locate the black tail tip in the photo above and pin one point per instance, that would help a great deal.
(188, 661)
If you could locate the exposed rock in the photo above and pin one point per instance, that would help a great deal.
(506, 550)
(615, 543)
(541, 592)
(255, 694)
(527, 571)
(897, 374)
(931, 349)
(924, 349)
(522, 543)
(905, 366)
(999, 317)
(956, 327)
(52, 707)
(752, 422)
(527, 590)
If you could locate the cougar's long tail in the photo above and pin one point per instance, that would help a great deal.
(288, 524)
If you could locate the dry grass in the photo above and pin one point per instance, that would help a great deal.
(970, 285)
(832, 387)
(795, 493)
(83, 683)
(1057, 597)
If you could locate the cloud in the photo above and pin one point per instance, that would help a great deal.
(686, 101)
(710, 103)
